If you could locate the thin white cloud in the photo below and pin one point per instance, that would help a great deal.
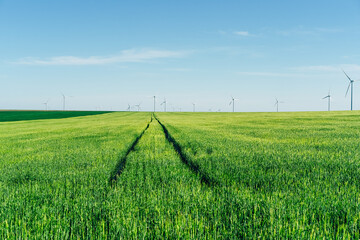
(126, 56)
(308, 31)
(295, 32)
(328, 68)
(237, 33)
(178, 69)
(242, 33)
(267, 74)
(329, 30)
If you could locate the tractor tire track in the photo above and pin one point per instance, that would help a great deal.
(194, 167)
(122, 161)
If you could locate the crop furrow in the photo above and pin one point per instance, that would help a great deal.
(122, 162)
(194, 167)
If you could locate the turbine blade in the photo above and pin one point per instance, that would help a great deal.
(346, 75)
(347, 90)
(230, 102)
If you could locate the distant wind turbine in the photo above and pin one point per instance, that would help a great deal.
(154, 103)
(351, 83)
(193, 107)
(64, 99)
(128, 109)
(277, 104)
(233, 103)
(46, 104)
(138, 106)
(163, 103)
(328, 97)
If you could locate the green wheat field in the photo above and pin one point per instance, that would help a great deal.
(140, 175)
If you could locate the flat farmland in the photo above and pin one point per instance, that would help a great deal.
(131, 175)
(295, 174)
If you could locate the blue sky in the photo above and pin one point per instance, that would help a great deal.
(108, 54)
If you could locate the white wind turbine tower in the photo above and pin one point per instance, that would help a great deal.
(154, 102)
(164, 102)
(193, 107)
(351, 83)
(64, 99)
(328, 97)
(46, 104)
(233, 102)
(277, 104)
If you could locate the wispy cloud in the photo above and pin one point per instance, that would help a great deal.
(306, 71)
(237, 33)
(178, 69)
(267, 74)
(328, 68)
(126, 56)
(300, 30)
(329, 30)
(242, 33)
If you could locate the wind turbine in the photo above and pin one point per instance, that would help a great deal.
(233, 102)
(138, 106)
(128, 109)
(277, 104)
(64, 98)
(154, 103)
(193, 107)
(328, 97)
(351, 83)
(164, 102)
(46, 104)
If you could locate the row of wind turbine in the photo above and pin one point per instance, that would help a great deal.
(232, 102)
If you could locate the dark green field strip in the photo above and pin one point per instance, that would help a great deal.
(7, 116)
